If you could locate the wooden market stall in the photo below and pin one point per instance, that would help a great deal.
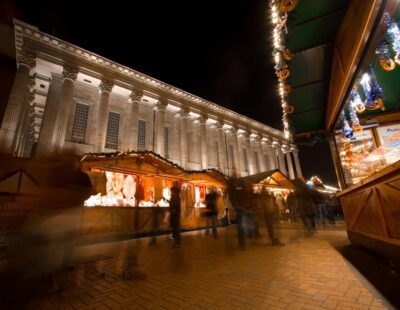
(133, 188)
(43, 194)
(273, 180)
(366, 140)
(354, 86)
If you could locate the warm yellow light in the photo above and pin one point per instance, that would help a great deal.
(279, 24)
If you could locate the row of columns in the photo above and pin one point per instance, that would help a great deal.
(18, 105)
(12, 135)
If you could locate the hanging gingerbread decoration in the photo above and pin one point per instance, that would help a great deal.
(383, 54)
(287, 5)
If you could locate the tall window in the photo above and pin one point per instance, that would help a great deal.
(141, 142)
(231, 154)
(166, 142)
(112, 131)
(246, 162)
(257, 161)
(80, 123)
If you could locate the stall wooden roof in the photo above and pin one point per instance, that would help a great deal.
(150, 164)
(272, 179)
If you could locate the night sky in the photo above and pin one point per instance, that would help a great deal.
(218, 50)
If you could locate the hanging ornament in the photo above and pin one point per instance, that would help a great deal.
(287, 54)
(385, 60)
(393, 32)
(287, 5)
(356, 102)
(355, 122)
(289, 109)
(287, 89)
(346, 129)
(373, 91)
(283, 74)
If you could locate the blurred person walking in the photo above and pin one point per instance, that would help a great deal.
(270, 211)
(211, 212)
(307, 211)
(175, 213)
(291, 202)
(234, 191)
(280, 201)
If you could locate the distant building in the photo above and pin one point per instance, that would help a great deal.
(65, 98)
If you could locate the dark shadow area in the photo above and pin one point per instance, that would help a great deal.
(384, 277)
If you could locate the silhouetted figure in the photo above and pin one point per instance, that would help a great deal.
(307, 211)
(292, 205)
(321, 207)
(211, 212)
(234, 191)
(271, 211)
(175, 213)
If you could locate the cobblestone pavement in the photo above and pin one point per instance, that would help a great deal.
(207, 273)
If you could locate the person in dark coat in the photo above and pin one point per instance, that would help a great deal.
(292, 203)
(175, 213)
(234, 192)
(270, 210)
(211, 212)
(307, 211)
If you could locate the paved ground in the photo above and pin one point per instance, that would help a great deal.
(207, 273)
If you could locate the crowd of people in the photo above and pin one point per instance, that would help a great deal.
(254, 207)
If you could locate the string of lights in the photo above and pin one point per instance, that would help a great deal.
(279, 13)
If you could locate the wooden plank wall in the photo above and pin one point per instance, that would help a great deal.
(374, 210)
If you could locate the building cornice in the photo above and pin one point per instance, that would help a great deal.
(56, 48)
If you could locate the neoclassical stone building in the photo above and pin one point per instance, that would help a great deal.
(65, 98)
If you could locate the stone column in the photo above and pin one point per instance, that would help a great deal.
(250, 153)
(131, 133)
(261, 157)
(184, 114)
(104, 102)
(19, 90)
(238, 164)
(290, 165)
(203, 143)
(281, 159)
(26, 139)
(22, 145)
(271, 163)
(221, 147)
(159, 127)
(297, 162)
(64, 108)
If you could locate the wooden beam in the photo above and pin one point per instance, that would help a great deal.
(348, 49)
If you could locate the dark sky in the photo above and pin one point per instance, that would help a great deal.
(219, 50)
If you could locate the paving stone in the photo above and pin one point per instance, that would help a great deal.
(307, 273)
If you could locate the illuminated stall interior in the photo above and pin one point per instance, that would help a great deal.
(367, 133)
(273, 180)
(144, 179)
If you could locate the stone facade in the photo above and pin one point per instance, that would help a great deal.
(80, 102)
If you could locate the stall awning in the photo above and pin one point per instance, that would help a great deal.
(312, 28)
(148, 163)
(271, 179)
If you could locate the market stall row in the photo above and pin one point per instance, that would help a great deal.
(132, 193)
